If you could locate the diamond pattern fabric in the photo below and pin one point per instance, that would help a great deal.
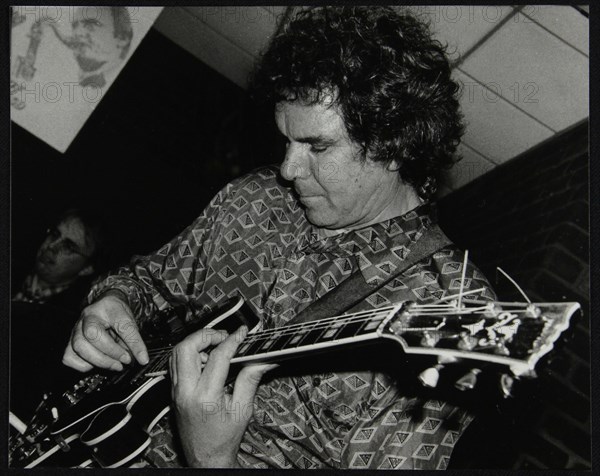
(253, 240)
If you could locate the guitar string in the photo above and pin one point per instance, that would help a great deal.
(160, 363)
(254, 338)
(368, 313)
(345, 319)
(309, 327)
(342, 320)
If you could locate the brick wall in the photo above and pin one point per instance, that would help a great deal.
(530, 217)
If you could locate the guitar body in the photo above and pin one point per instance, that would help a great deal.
(106, 417)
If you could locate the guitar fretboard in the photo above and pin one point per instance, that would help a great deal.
(331, 332)
(513, 334)
(277, 343)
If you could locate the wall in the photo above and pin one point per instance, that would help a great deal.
(530, 217)
(167, 135)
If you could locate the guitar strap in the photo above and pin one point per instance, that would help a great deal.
(354, 289)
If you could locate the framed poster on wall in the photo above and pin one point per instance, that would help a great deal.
(64, 59)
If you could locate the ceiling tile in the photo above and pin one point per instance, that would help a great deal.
(248, 27)
(461, 26)
(469, 168)
(535, 71)
(562, 20)
(495, 128)
(207, 45)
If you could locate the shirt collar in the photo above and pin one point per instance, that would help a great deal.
(374, 245)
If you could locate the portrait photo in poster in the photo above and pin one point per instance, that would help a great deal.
(64, 59)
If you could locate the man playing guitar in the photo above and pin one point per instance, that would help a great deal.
(364, 98)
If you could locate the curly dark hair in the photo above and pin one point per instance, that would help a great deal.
(391, 80)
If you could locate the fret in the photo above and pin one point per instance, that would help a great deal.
(350, 329)
(246, 345)
(295, 340)
(270, 340)
(373, 324)
(265, 341)
(310, 336)
(255, 347)
(280, 340)
(314, 333)
(274, 340)
(332, 330)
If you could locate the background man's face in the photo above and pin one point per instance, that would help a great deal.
(337, 188)
(94, 38)
(64, 254)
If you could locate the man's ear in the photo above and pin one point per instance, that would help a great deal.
(89, 269)
(393, 166)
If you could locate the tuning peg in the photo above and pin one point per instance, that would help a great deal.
(506, 385)
(492, 309)
(429, 340)
(429, 377)
(501, 349)
(467, 341)
(533, 310)
(468, 381)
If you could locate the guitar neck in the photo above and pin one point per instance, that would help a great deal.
(516, 335)
(289, 341)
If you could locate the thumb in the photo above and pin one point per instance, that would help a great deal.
(247, 382)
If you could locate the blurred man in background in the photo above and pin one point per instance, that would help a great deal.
(49, 301)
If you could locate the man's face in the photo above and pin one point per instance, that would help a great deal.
(64, 254)
(336, 187)
(94, 39)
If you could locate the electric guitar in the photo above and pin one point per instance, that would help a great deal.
(106, 418)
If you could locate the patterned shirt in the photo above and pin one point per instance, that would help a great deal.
(254, 240)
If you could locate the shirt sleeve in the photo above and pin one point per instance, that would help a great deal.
(171, 276)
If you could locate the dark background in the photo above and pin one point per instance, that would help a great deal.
(170, 132)
(164, 139)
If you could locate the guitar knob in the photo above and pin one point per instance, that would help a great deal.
(429, 377)
(506, 384)
(468, 381)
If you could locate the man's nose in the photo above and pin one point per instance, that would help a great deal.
(295, 165)
(54, 245)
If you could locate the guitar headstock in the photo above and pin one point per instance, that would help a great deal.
(515, 335)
